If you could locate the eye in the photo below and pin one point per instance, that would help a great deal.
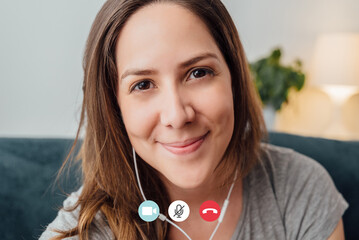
(200, 73)
(142, 86)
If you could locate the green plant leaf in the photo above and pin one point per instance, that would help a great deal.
(274, 80)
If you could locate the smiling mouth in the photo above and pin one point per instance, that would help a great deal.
(186, 147)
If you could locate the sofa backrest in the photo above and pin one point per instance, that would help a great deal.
(28, 168)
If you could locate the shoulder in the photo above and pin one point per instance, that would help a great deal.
(286, 168)
(308, 200)
(285, 159)
(67, 219)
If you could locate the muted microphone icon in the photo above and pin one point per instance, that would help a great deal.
(178, 211)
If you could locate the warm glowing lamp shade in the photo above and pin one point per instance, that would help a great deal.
(336, 60)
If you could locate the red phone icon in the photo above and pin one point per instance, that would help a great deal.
(210, 211)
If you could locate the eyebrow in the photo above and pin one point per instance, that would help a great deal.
(142, 72)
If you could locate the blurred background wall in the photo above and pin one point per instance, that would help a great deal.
(42, 42)
(295, 26)
(41, 47)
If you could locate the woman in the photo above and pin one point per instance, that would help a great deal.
(168, 81)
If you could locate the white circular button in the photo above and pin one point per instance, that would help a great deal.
(178, 211)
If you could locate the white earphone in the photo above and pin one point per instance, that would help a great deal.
(164, 218)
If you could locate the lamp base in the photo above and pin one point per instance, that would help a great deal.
(339, 95)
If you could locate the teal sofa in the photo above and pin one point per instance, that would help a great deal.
(28, 168)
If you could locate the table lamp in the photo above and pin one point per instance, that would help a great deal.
(336, 71)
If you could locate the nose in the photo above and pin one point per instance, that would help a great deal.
(176, 110)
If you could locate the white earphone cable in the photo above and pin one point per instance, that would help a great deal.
(137, 175)
(164, 218)
(224, 207)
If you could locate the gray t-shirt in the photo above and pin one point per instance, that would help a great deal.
(286, 196)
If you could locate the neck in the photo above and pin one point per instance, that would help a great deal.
(211, 189)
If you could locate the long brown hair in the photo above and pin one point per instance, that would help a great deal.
(109, 183)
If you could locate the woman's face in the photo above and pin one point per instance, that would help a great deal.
(174, 93)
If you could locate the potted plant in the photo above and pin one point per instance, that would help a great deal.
(273, 82)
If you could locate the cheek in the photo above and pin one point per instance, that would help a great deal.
(217, 105)
(139, 119)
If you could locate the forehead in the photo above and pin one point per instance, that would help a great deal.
(162, 33)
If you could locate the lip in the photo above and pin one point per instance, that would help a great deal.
(186, 147)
